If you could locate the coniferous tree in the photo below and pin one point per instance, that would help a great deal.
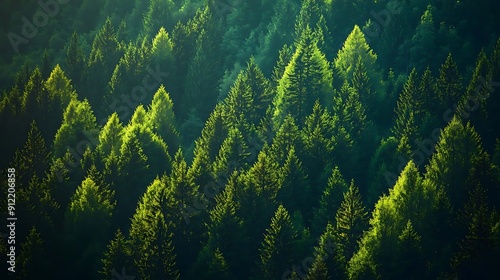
(406, 108)
(285, 55)
(161, 119)
(329, 260)
(330, 201)
(75, 59)
(286, 138)
(277, 252)
(117, 257)
(423, 41)
(448, 86)
(294, 184)
(477, 255)
(183, 196)
(306, 78)
(355, 46)
(33, 260)
(77, 129)
(87, 218)
(351, 220)
(158, 16)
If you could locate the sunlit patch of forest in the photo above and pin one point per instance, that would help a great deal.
(244, 139)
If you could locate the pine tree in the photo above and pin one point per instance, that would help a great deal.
(477, 256)
(306, 79)
(458, 151)
(156, 256)
(448, 85)
(158, 16)
(105, 47)
(161, 119)
(423, 41)
(239, 103)
(286, 138)
(285, 56)
(46, 68)
(309, 15)
(232, 156)
(409, 254)
(473, 103)
(75, 59)
(406, 109)
(355, 46)
(225, 230)
(294, 183)
(110, 137)
(59, 88)
(117, 256)
(87, 219)
(351, 220)
(162, 55)
(330, 201)
(183, 196)
(363, 85)
(378, 254)
(329, 259)
(261, 90)
(79, 124)
(33, 259)
(319, 144)
(348, 108)
(277, 251)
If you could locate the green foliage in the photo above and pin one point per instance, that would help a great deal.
(329, 261)
(330, 200)
(158, 16)
(306, 78)
(351, 221)
(87, 218)
(354, 48)
(78, 124)
(272, 99)
(277, 249)
(161, 119)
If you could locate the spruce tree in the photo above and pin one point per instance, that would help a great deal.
(351, 221)
(277, 251)
(306, 78)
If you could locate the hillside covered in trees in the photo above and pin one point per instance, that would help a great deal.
(244, 139)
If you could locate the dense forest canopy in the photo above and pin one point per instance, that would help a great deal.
(242, 139)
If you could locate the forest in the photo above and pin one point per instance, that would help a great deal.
(250, 139)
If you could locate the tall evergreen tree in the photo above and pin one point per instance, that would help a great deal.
(158, 15)
(306, 79)
(448, 86)
(277, 251)
(87, 219)
(330, 201)
(329, 260)
(351, 221)
(162, 120)
(75, 59)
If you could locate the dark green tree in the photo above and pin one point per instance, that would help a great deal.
(351, 220)
(157, 16)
